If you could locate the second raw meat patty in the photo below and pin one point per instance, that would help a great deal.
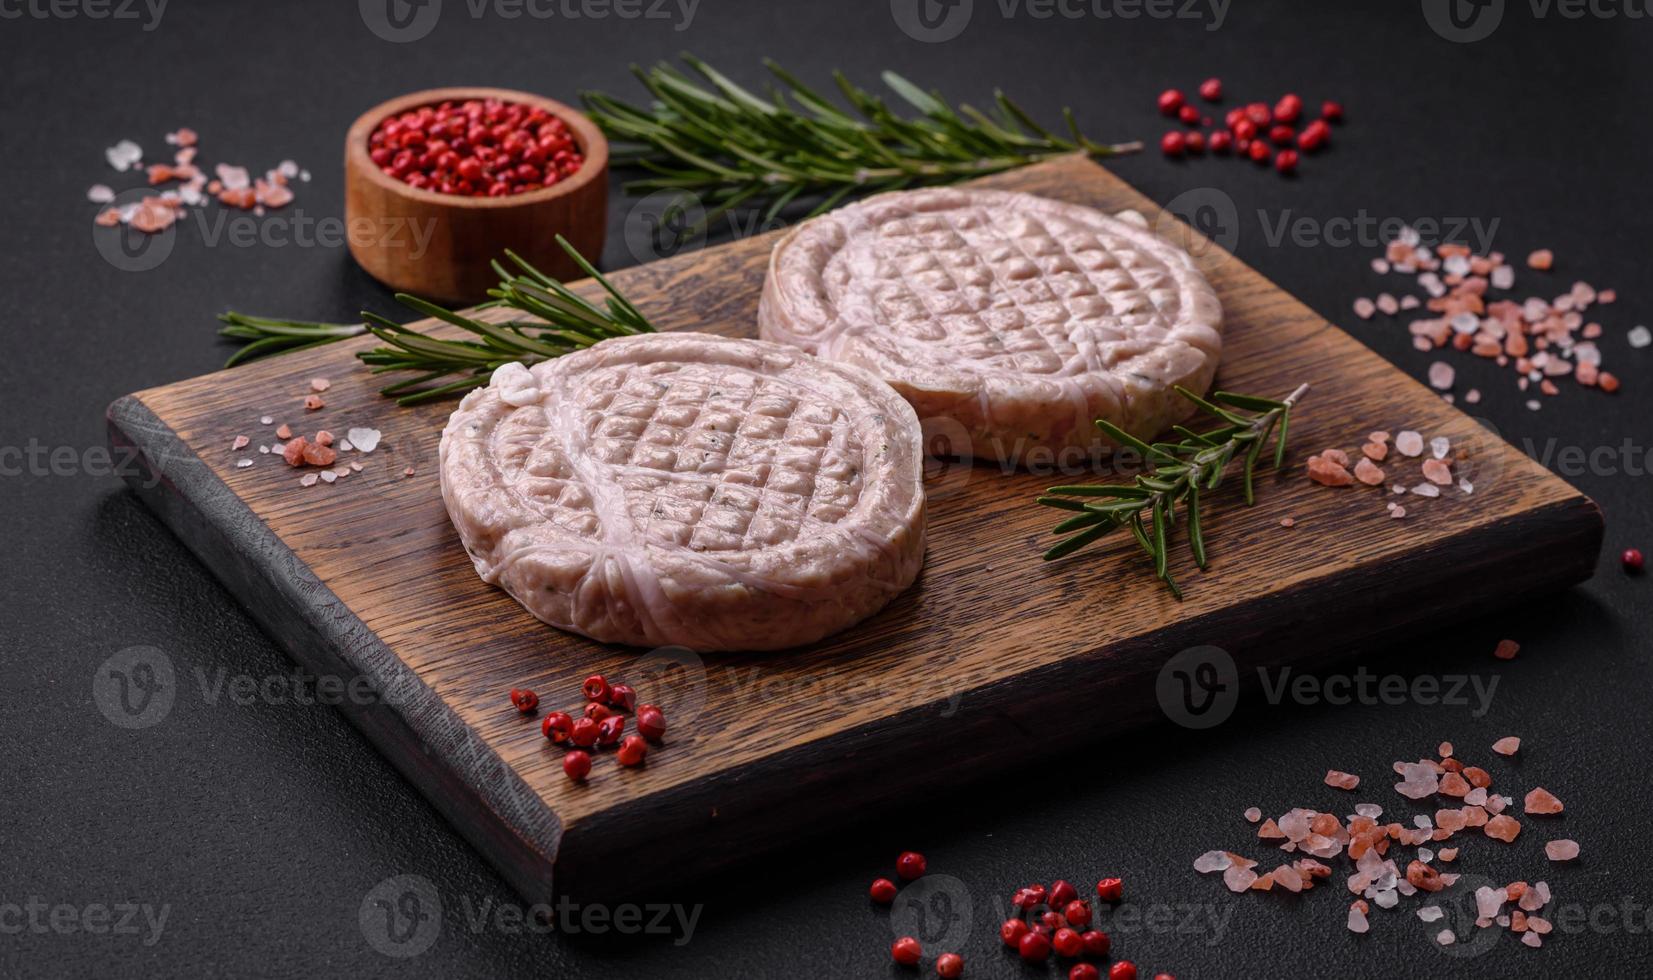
(1017, 319)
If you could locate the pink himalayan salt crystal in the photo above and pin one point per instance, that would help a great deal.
(1451, 821)
(1419, 781)
(1253, 814)
(1437, 472)
(1238, 878)
(1378, 436)
(1445, 937)
(1502, 827)
(1375, 451)
(1270, 830)
(239, 443)
(1341, 780)
(1531, 939)
(1368, 472)
(1444, 750)
(1387, 304)
(1508, 745)
(1288, 878)
(1357, 920)
(1364, 308)
(320, 384)
(1329, 472)
(1488, 901)
(1561, 850)
(1430, 913)
(1448, 854)
(1476, 797)
(1441, 375)
(1506, 650)
(1409, 443)
(1212, 861)
(1542, 801)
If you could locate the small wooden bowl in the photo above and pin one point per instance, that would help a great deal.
(438, 246)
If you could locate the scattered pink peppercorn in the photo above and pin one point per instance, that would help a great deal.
(1097, 942)
(1084, 971)
(1259, 113)
(1110, 889)
(1173, 144)
(1123, 970)
(577, 765)
(949, 965)
(1211, 90)
(1288, 108)
(882, 890)
(906, 951)
(1331, 111)
(1195, 142)
(910, 865)
(1221, 142)
(632, 751)
(1012, 931)
(1286, 161)
(1171, 102)
(557, 726)
(1189, 115)
(1633, 560)
(1061, 893)
(1077, 913)
(1067, 943)
(524, 700)
(1034, 947)
(1282, 135)
(1259, 151)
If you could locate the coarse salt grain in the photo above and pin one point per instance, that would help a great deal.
(1409, 443)
(1253, 814)
(1561, 850)
(1508, 745)
(1441, 375)
(1639, 336)
(365, 440)
(1506, 650)
(243, 463)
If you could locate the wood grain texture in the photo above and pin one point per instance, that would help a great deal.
(991, 654)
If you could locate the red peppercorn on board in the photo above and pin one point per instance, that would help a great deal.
(992, 655)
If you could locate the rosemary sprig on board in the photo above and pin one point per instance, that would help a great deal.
(1182, 472)
(716, 141)
(561, 322)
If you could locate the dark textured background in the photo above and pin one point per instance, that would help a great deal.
(263, 828)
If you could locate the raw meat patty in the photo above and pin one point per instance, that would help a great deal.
(1019, 318)
(681, 488)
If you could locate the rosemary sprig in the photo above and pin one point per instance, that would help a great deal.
(561, 321)
(711, 139)
(1182, 472)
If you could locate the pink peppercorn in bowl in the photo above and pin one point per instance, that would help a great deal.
(419, 172)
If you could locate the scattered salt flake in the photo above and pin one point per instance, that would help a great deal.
(1445, 937)
(408, 471)
(266, 419)
(239, 443)
(320, 384)
(1541, 801)
(1532, 939)
(1398, 513)
(1239, 878)
(1409, 443)
(366, 440)
(103, 194)
(1287, 522)
(1541, 260)
(285, 432)
(1442, 375)
(1369, 473)
(1357, 920)
(1561, 850)
(1506, 650)
(242, 464)
(1444, 750)
(1508, 745)
(1369, 810)
(1387, 304)
(1440, 446)
(1534, 404)
(1364, 308)
(356, 467)
(1270, 831)
(264, 449)
(1430, 913)
(1437, 472)
(1213, 861)
(123, 155)
(1473, 396)
(1448, 854)
(1427, 489)
(1639, 336)
(1252, 814)
(1375, 451)
(308, 480)
(1466, 486)
(313, 402)
(1502, 827)
(328, 476)
(1341, 780)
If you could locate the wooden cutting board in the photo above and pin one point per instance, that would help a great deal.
(993, 654)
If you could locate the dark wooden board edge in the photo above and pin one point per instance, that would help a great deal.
(462, 776)
(804, 791)
(813, 789)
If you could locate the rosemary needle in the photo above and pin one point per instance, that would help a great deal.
(1181, 472)
(559, 321)
(709, 139)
